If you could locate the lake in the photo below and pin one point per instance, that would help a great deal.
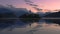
(18, 26)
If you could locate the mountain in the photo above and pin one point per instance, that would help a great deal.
(20, 11)
(6, 11)
(53, 15)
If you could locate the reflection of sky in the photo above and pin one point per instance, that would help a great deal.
(45, 4)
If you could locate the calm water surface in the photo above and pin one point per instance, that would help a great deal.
(29, 27)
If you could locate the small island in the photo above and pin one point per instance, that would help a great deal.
(30, 16)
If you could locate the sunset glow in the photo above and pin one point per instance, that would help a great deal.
(43, 4)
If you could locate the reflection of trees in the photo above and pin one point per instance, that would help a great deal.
(57, 21)
(30, 20)
(7, 15)
(9, 24)
(6, 24)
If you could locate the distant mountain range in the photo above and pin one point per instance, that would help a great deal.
(17, 11)
(53, 15)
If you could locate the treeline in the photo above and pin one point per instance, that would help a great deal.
(30, 16)
(7, 15)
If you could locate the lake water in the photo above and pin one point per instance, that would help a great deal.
(29, 27)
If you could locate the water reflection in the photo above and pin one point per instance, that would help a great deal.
(35, 26)
(57, 21)
(6, 23)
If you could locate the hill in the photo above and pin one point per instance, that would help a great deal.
(53, 15)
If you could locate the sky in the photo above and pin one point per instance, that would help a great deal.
(43, 4)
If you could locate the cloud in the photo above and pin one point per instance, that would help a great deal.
(31, 4)
(38, 9)
(28, 1)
